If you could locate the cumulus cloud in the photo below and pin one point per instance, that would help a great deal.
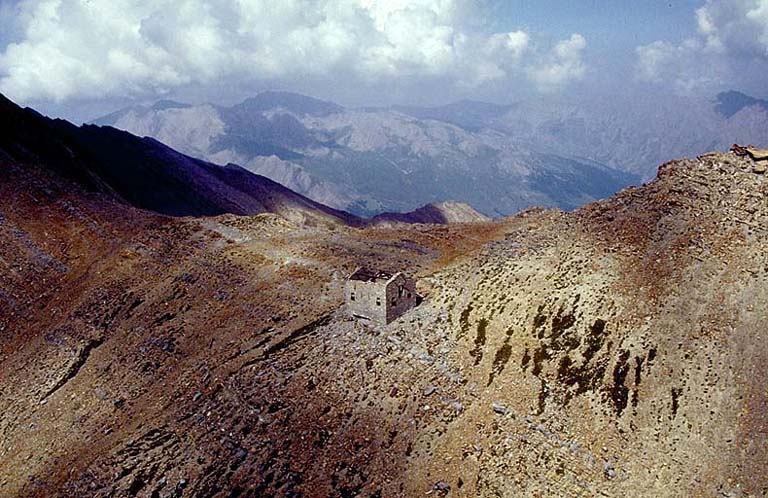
(684, 66)
(726, 30)
(735, 26)
(118, 48)
(562, 66)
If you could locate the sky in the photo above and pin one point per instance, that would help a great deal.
(79, 59)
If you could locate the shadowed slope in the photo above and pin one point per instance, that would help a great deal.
(145, 173)
(436, 213)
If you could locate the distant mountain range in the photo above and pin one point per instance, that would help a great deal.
(637, 134)
(498, 158)
(368, 161)
(146, 174)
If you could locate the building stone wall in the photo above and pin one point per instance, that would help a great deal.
(401, 296)
(367, 300)
(380, 300)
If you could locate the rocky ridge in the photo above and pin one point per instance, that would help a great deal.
(612, 351)
(436, 213)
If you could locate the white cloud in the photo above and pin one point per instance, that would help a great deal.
(735, 26)
(652, 59)
(658, 59)
(726, 29)
(562, 66)
(759, 17)
(117, 48)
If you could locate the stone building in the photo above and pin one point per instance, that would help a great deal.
(379, 296)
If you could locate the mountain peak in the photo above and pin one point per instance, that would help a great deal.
(146, 174)
(162, 105)
(471, 115)
(294, 102)
(729, 103)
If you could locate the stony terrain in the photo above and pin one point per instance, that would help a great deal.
(613, 351)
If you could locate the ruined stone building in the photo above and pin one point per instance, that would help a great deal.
(379, 296)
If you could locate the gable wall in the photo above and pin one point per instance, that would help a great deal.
(365, 299)
(399, 302)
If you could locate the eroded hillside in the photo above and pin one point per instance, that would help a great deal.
(613, 351)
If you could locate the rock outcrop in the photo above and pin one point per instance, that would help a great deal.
(435, 213)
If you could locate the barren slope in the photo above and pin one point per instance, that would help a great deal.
(613, 351)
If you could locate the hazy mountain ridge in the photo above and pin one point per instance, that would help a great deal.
(468, 114)
(371, 160)
(629, 135)
(374, 160)
(144, 173)
(731, 102)
(147, 174)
